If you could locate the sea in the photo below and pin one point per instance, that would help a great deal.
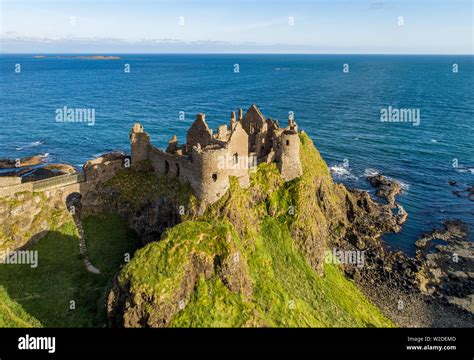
(348, 104)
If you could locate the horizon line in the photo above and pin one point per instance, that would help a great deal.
(227, 53)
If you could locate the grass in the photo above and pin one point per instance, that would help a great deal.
(191, 278)
(46, 292)
(276, 252)
(12, 314)
(286, 290)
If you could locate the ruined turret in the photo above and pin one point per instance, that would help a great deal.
(139, 142)
(207, 161)
(199, 132)
(172, 144)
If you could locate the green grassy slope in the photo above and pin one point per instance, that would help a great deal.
(13, 315)
(250, 262)
(46, 292)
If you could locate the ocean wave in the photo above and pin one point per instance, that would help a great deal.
(45, 157)
(342, 172)
(405, 186)
(30, 145)
(465, 170)
(371, 172)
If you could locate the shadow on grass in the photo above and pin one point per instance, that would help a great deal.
(60, 292)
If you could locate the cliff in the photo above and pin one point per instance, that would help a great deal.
(26, 217)
(255, 257)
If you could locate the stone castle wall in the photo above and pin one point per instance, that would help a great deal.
(104, 168)
(9, 181)
(207, 160)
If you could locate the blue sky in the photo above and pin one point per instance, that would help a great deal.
(237, 26)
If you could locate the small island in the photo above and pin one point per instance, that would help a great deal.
(82, 57)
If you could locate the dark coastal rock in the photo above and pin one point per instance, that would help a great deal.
(386, 189)
(49, 171)
(18, 173)
(396, 282)
(26, 161)
(447, 264)
(462, 190)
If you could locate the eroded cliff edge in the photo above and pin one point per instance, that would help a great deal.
(254, 258)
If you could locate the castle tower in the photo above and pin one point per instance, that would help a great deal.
(241, 114)
(172, 144)
(292, 124)
(139, 143)
(288, 155)
(199, 132)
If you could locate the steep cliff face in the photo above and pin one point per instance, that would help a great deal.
(26, 217)
(256, 257)
(150, 203)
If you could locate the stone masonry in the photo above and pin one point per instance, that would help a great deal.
(207, 160)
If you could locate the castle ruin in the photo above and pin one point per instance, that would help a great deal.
(207, 160)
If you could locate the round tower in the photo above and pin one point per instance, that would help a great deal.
(289, 155)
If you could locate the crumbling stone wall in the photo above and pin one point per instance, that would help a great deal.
(207, 160)
(140, 143)
(105, 167)
(199, 132)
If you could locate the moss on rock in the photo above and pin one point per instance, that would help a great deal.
(254, 258)
(27, 216)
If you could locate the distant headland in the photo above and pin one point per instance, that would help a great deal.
(82, 57)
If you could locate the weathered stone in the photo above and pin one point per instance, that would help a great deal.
(208, 160)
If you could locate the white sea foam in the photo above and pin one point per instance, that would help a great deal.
(405, 186)
(44, 157)
(342, 171)
(371, 172)
(30, 145)
(465, 170)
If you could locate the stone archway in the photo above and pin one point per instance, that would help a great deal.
(74, 202)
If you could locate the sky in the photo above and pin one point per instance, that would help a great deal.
(237, 26)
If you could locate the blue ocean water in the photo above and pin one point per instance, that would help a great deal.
(340, 111)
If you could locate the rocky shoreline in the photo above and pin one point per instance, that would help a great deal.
(33, 168)
(433, 289)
